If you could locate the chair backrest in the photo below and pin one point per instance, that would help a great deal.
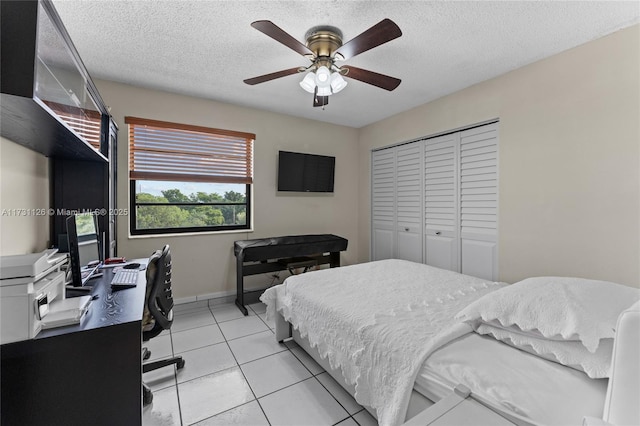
(159, 303)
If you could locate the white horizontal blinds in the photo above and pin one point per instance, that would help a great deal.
(440, 184)
(86, 123)
(177, 152)
(383, 187)
(479, 181)
(408, 186)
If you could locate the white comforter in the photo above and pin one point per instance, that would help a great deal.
(378, 322)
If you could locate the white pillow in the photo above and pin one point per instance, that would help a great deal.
(569, 352)
(555, 308)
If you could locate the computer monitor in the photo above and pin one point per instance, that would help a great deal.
(88, 238)
(84, 247)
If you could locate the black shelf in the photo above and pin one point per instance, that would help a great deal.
(26, 122)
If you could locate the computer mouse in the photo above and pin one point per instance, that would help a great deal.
(131, 266)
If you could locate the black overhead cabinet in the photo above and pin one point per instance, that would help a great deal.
(50, 105)
(86, 186)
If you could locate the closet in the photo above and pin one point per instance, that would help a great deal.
(435, 201)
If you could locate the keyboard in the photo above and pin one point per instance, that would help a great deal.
(125, 278)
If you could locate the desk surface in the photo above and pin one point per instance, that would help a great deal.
(111, 307)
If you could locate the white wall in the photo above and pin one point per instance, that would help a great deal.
(24, 197)
(569, 159)
(205, 264)
(569, 170)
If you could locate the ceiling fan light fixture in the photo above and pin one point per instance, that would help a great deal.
(308, 83)
(337, 82)
(324, 91)
(324, 47)
(323, 77)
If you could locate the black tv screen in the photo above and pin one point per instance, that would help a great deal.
(298, 172)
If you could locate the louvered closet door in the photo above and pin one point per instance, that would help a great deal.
(409, 201)
(440, 202)
(383, 204)
(479, 201)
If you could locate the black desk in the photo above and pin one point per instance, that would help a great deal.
(279, 254)
(84, 374)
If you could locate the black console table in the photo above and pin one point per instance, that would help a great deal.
(281, 253)
(84, 374)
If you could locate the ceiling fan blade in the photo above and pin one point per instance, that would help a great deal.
(373, 78)
(278, 34)
(382, 32)
(271, 76)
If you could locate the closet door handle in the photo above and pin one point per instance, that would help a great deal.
(406, 229)
(437, 232)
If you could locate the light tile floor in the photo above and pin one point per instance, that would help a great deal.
(237, 374)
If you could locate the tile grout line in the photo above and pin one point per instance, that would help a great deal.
(229, 368)
(250, 334)
(336, 399)
(315, 376)
(226, 341)
(247, 381)
(175, 377)
(238, 365)
(258, 359)
(230, 350)
(257, 399)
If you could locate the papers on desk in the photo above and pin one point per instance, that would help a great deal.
(66, 312)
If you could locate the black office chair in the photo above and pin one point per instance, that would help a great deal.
(158, 312)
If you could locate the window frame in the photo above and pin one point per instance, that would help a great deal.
(161, 176)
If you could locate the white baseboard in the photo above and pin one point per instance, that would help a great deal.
(211, 298)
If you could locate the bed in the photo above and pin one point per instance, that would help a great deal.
(399, 336)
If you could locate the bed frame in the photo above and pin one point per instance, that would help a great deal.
(623, 391)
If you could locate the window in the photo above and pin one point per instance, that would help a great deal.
(188, 178)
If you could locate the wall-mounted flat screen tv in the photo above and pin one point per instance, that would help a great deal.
(299, 172)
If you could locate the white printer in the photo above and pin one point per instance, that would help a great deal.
(28, 285)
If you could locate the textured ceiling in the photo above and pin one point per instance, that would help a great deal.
(206, 48)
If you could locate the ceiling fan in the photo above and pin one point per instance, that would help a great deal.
(324, 48)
